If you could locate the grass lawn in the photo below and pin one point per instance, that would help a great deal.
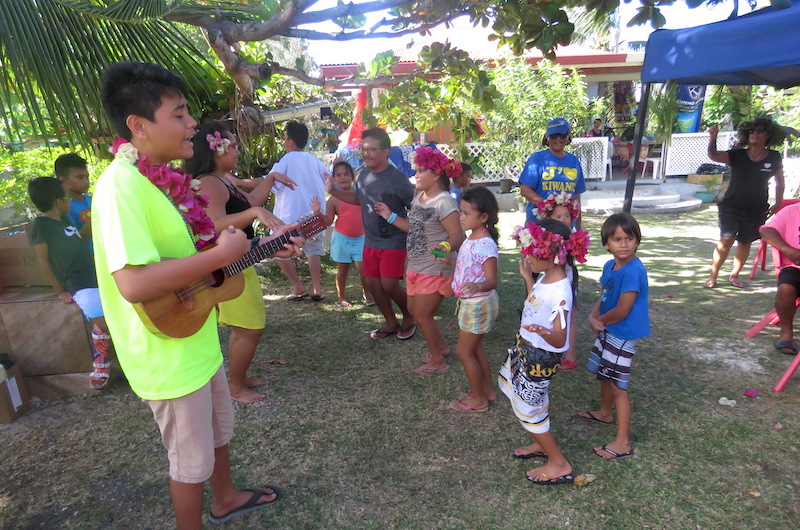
(358, 440)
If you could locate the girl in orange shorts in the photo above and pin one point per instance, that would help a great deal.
(432, 225)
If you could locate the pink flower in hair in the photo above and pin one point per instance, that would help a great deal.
(430, 158)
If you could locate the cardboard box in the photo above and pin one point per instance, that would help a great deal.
(18, 262)
(14, 400)
(695, 178)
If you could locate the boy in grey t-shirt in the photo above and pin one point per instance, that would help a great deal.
(385, 245)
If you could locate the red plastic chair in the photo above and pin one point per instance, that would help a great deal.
(761, 253)
(771, 318)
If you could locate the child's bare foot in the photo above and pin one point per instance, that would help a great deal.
(614, 450)
(254, 381)
(245, 395)
(530, 451)
(550, 473)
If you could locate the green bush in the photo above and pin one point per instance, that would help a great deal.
(16, 169)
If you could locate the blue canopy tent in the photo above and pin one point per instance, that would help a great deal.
(760, 48)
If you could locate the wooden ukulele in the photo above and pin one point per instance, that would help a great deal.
(183, 312)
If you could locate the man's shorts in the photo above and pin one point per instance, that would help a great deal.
(313, 247)
(417, 283)
(477, 315)
(739, 224)
(246, 310)
(193, 426)
(89, 302)
(384, 263)
(346, 249)
(610, 359)
(790, 275)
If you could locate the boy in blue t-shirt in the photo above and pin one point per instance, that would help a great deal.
(618, 319)
(68, 265)
(72, 171)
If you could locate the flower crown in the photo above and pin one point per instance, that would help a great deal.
(217, 143)
(430, 158)
(546, 207)
(543, 244)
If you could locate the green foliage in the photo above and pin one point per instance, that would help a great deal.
(531, 97)
(450, 88)
(662, 110)
(17, 168)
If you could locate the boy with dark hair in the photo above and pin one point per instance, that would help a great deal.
(308, 173)
(71, 170)
(67, 264)
(384, 244)
(140, 221)
(618, 319)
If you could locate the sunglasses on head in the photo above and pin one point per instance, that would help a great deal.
(758, 130)
(557, 136)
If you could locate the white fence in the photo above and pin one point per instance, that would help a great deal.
(592, 152)
(688, 151)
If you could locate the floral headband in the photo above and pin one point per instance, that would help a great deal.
(546, 207)
(217, 143)
(430, 158)
(543, 244)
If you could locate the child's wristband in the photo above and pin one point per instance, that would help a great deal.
(392, 218)
(446, 246)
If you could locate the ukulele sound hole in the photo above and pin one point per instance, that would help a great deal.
(217, 278)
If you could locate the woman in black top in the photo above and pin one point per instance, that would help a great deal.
(216, 156)
(745, 206)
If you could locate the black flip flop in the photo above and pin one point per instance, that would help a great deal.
(529, 456)
(592, 417)
(249, 506)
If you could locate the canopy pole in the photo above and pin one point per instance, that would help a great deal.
(638, 132)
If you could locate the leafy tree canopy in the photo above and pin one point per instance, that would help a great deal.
(52, 51)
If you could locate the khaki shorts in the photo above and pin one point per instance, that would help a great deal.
(193, 426)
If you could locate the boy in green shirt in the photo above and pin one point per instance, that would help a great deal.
(144, 210)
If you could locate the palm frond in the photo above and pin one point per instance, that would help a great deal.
(142, 11)
(51, 58)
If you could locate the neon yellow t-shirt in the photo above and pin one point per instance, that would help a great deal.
(134, 223)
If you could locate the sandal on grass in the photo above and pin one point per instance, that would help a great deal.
(295, 297)
(736, 282)
(251, 504)
(430, 370)
(381, 333)
(785, 347)
(710, 284)
(462, 406)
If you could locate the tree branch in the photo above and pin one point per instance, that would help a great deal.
(320, 35)
(250, 31)
(345, 10)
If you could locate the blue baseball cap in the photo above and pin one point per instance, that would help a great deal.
(558, 125)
